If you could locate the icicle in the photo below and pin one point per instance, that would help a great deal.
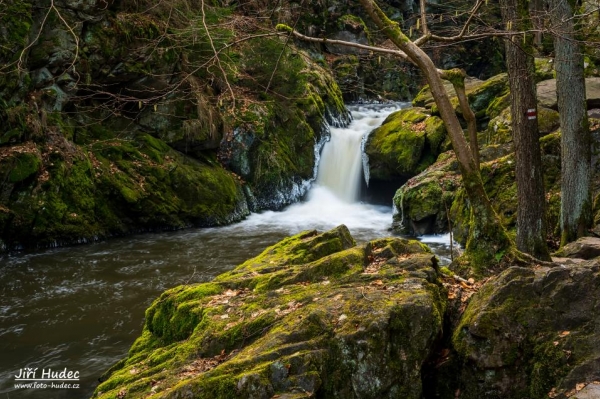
(401, 205)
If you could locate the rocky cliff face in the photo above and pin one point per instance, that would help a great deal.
(119, 117)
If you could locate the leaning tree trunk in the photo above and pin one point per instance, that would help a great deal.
(487, 236)
(531, 219)
(575, 207)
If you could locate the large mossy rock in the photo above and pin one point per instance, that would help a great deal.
(424, 201)
(486, 98)
(531, 333)
(312, 316)
(406, 143)
(435, 201)
(61, 193)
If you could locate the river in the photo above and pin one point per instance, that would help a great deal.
(81, 307)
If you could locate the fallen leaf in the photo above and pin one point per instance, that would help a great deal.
(580, 386)
(555, 343)
(342, 317)
(471, 281)
(564, 333)
(377, 283)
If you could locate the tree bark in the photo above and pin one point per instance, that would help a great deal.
(576, 208)
(531, 220)
(487, 237)
(457, 78)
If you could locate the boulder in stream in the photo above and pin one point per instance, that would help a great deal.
(312, 316)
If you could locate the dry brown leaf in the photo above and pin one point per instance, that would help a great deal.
(564, 333)
(580, 386)
(552, 393)
(377, 283)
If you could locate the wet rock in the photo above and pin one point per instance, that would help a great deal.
(312, 316)
(406, 143)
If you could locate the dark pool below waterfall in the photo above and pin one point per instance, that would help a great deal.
(82, 307)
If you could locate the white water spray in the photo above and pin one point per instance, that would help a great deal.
(334, 197)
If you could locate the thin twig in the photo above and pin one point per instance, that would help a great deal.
(212, 45)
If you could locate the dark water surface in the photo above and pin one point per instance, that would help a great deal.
(82, 307)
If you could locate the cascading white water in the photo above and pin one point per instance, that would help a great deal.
(342, 161)
(333, 198)
(340, 169)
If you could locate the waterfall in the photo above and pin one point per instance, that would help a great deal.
(343, 159)
(340, 168)
(334, 197)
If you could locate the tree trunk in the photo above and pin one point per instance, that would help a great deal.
(531, 220)
(487, 237)
(575, 207)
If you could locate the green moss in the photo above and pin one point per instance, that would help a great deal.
(397, 147)
(435, 131)
(16, 20)
(284, 28)
(272, 341)
(489, 92)
(549, 366)
(21, 166)
(544, 69)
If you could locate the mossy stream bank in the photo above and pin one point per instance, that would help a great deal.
(317, 316)
(117, 122)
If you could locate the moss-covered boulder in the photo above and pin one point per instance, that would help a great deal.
(486, 98)
(435, 201)
(312, 316)
(406, 143)
(531, 333)
(59, 192)
(424, 201)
